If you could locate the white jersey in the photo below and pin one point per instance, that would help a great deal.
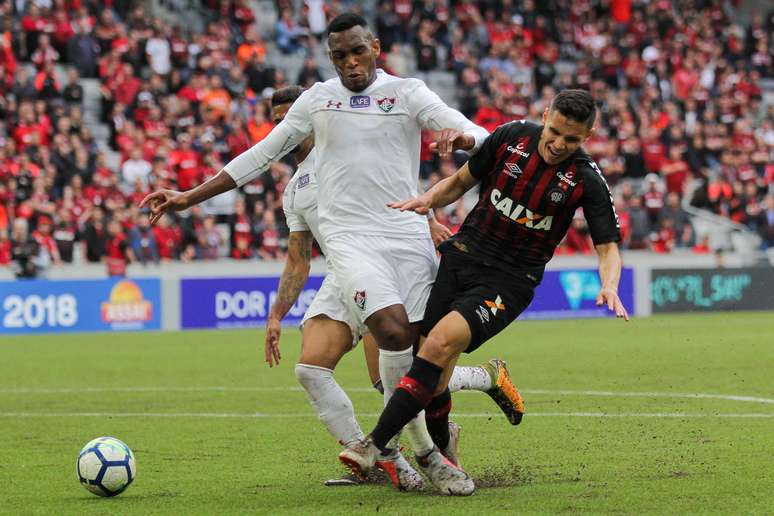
(299, 202)
(369, 145)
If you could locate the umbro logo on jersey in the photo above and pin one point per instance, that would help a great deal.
(519, 213)
(386, 104)
(513, 170)
(333, 104)
(483, 314)
(359, 101)
(519, 149)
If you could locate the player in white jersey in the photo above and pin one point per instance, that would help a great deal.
(328, 328)
(366, 124)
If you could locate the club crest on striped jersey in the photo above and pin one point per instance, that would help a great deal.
(386, 103)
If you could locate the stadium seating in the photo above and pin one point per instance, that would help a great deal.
(114, 103)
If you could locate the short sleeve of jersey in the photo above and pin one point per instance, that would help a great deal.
(484, 161)
(294, 219)
(598, 209)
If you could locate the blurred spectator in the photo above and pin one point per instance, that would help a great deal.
(168, 239)
(289, 34)
(118, 252)
(83, 50)
(24, 250)
(679, 220)
(143, 241)
(679, 95)
(209, 240)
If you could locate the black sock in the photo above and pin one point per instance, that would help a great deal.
(437, 417)
(412, 394)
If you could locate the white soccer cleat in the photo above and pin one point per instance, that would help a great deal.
(402, 475)
(360, 458)
(445, 476)
(452, 450)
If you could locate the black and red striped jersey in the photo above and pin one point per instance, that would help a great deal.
(525, 205)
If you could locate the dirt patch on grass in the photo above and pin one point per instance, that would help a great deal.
(503, 475)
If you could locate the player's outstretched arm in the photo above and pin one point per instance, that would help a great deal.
(293, 278)
(442, 194)
(610, 273)
(163, 201)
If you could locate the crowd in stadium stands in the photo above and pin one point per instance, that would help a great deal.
(681, 114)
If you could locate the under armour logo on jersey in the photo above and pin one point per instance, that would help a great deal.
(495, 305)
(332, 103)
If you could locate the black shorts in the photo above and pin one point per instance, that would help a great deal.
(488, 298)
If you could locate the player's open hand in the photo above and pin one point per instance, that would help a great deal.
(610, 298)
(163, 201)
(419, 205)
(450, 140)
(438, 232)
(271, 344)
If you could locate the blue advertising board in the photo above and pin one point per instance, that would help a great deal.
(43, 306)
(572, 294)
(237, 302)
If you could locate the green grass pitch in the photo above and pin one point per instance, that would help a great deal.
(662, 415)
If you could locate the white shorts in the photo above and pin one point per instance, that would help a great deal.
(329, 302)
(374, 272)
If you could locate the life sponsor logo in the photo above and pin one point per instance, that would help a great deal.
(359, 101)
(518, 213)
(303, 181)
(518, 149)
(126, 305)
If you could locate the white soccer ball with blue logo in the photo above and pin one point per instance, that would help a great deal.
(106, 466)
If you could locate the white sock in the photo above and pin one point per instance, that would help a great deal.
(393, 365)
(470, 378)
(331, 403)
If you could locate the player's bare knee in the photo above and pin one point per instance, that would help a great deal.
(395, 339)
(437, 349)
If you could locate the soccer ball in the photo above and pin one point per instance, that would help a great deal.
(106, 466)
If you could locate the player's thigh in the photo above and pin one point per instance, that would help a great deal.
(364, 275)
(328, 328)
(450, 337)
(492, 304)
(416, 264)
(324, 341)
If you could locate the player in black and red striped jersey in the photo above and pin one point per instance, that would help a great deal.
(532, 179)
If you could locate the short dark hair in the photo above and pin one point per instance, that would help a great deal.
(285, 95)
(577, 105)
(346, 21)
